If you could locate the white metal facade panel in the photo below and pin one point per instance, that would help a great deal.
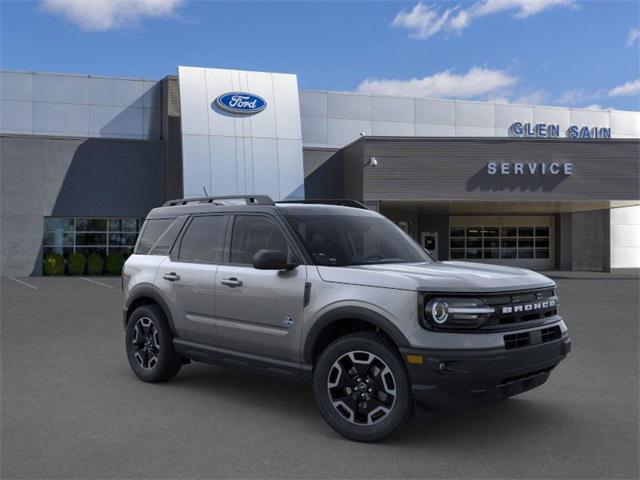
(344, 115)
(341, 132)
(472, 114)
(313, 104)
(16, 117)
(84, 106)
(506, 115)
(244, 154)
(625, 237)
(552, 115)
(392, 129)
(16, 86)
(61, 89)
(435, 112)
(389, 109)
(625, 123)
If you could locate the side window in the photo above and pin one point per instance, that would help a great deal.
(167, 239)
(252, 233)
(151, 232)
(204, 239)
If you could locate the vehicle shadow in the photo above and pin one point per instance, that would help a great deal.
(513, 418)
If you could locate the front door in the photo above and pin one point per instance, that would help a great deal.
(259, 311)
(187, 279)
(429, 241)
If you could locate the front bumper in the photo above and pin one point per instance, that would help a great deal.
(452, 379)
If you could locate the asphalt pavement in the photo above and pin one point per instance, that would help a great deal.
(71, 408)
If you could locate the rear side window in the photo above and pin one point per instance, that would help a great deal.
(151, 232)
(203, 241)
(168, 238)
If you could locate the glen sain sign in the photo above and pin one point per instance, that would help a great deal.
(546, 130)
(240, 103)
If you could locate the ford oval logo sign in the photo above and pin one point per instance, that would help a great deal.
(240, 103)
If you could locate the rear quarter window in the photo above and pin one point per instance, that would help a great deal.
(158, 235)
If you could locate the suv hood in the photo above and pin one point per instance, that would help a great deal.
(438, 277)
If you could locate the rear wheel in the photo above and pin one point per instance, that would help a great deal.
(149, 345)
(362, 387)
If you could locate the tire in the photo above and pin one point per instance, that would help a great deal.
(368, 403)
(149, 345)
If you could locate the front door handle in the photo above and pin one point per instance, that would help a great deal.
(231, 282)
(172, 276)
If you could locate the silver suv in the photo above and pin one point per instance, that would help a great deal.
(338, 296)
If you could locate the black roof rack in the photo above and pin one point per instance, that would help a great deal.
(249, 200)
(344, 202)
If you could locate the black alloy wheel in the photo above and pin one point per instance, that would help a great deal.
(362, 387)
(149, 345)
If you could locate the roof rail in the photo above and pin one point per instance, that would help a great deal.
(249, 200)
(344, 202)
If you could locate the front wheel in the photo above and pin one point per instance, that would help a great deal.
(362, 388)
(150, 345)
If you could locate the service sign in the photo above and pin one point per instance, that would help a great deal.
(240, 103)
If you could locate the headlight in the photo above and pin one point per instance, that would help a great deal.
(456, 312)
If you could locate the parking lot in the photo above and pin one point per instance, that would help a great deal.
(71, 408)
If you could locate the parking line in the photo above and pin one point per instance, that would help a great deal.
(23, 283)
(97, 283)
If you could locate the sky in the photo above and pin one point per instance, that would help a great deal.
(546, 52)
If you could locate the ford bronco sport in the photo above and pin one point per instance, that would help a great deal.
(339, 296)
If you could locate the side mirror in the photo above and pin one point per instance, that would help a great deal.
(272, 260)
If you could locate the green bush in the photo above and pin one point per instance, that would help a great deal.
(113, 263)
(95, 264)
(53, 264)
(76, 263)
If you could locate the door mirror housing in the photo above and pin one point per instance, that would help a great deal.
(272, 260)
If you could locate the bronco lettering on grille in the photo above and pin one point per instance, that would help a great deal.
(529, 307)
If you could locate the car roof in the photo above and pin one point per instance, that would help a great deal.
(288, 207)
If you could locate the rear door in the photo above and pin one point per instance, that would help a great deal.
(187, 278)
(259, 311)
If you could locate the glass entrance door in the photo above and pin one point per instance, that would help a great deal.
(429, 241)
(525, 241)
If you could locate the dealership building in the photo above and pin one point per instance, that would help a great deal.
(84, 158)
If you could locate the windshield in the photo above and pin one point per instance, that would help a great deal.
(343, 240)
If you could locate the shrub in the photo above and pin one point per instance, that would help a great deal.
(113, 263)
(76, 263)
(53, 264)
(95, 264)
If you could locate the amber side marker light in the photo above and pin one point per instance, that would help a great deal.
(415, 359)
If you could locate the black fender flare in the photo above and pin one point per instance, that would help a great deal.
(351, 312)
(149, 291)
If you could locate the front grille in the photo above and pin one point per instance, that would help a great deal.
(534, 337)
(520, 300)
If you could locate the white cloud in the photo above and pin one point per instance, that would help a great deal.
(633, 36)
(524, 8)
(423, 21)
(629, 88)
(595, 106)
(571, 97)
(475, 83)
(99, 15)
(538, 97)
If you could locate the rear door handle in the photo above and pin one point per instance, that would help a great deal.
(172, 277)
(231, 282)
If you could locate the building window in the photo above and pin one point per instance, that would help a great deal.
(474, 243)
(65, 235)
